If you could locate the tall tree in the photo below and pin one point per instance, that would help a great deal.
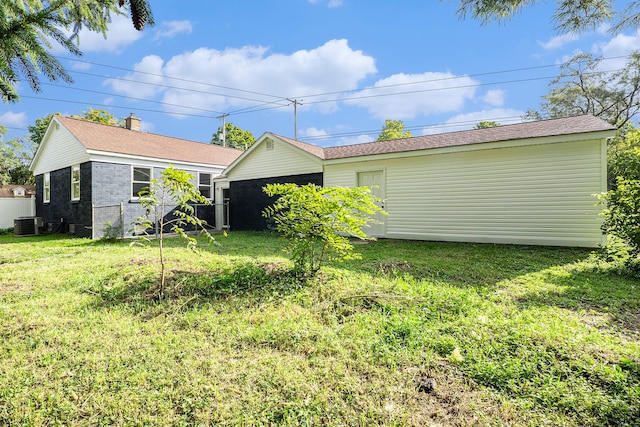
(583, 87)
(393, 129)
(38, 129)
(235, 137)
(29, 27)
(14, 161)
(569, 15)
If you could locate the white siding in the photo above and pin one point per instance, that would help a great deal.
(538, 194)
(59, 150)
(282, 160)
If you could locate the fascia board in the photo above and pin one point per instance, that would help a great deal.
(109, 157)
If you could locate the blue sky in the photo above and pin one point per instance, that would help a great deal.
(350, 64)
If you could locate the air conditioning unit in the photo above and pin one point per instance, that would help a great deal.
(27, 225)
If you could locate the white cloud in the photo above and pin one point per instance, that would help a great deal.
(312, 132)
(405, 96)
(330, 3)
(467, 121)
(144, 81)
(170, 29)
(119, 36)
(207, 77)
(11, 119)
(619, 46)
(559, 41)
(351, 140)
(495, 97)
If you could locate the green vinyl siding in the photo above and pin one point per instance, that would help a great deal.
(281, 159)
(534, 194)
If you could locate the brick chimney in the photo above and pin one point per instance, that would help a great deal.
(132, 122)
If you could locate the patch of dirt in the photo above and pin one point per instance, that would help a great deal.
(8, 288)
(444, 397)
(393, 266)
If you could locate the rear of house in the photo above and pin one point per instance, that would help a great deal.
(530, 183)
(89, 175)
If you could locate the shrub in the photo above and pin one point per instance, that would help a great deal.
(318, 221)
(622, 216)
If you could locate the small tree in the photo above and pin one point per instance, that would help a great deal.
(318, 221)
(168, 202)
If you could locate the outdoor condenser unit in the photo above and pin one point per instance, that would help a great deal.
(27, 225)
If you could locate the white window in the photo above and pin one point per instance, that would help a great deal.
(140, 180)
(75, 182)
(46, 188)
(204, 184)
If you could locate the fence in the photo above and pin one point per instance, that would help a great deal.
(11, 209)
(108, 221)
(112, 220)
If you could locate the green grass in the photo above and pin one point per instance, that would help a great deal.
(512, 335)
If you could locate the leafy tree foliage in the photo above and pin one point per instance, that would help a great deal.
(622, 201)
(235, 137)
(169, 204)
(569, 16)
(14, 161)
(584, 88)
(486, 124)
(622, 216)
(318, 221)
(29, 27)
(393, 129)
(38, 129)
(100, 116)
(623, 155)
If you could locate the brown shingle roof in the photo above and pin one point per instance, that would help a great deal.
(114, 139)
(552, 127)
(309, 148)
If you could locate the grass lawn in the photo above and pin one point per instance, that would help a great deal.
(416, 333)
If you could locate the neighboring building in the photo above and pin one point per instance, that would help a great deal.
(88, 175)
(17, 191)
(528, 183)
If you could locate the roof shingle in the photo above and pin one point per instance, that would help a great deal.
(537, 129)
(114, 139)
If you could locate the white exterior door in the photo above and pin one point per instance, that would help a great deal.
(375, 181)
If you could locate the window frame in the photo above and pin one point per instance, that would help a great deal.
(75, 183)
(209, 185)
(46, 187)
(134, 195)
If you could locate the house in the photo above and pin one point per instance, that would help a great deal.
(17, 191)
(528, 183)
(89, 175)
